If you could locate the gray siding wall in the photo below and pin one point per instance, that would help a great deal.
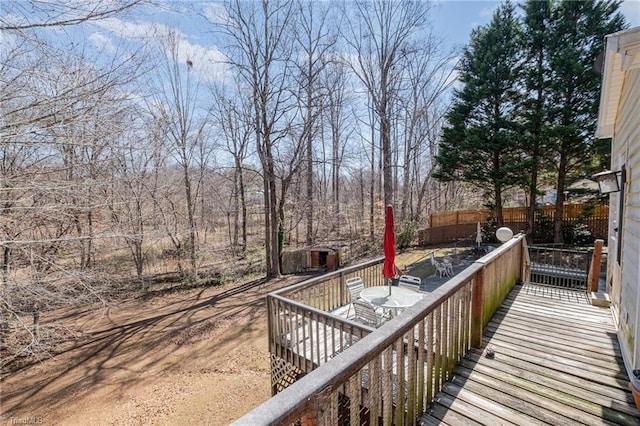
(626, 151)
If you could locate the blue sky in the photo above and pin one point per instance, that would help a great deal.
(454, 19)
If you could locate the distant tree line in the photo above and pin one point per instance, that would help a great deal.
(125, 157)
(135, 158)
(527, 103)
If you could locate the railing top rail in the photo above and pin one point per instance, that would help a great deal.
(501, 250)
(319, 312)
(328, 276)
(574, 251)
(334, 373)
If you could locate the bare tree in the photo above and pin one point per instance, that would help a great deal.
(59, 107)
(288, 171)
(175, 107)
(315, 39)
(337, 118)
(23, 15)
(428, 75)
(380, 34)
(260, 52)
(429, 194)
(134, 162)
(369, 143)
(232, 115)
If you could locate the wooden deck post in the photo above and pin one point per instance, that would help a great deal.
(594, 270)
(477, 309)
(308, 419)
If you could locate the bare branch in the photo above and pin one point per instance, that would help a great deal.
(61, 14)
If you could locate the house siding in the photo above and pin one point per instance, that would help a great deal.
(626, 151)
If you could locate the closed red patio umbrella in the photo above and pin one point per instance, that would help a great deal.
(389, 244)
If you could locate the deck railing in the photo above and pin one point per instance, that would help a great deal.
(303, 334)
(559, 267)
(392, 373)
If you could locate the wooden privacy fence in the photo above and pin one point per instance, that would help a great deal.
(387, 375)
(447, 227)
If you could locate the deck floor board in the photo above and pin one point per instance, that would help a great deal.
(557, 361)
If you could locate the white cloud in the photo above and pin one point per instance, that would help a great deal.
(102, 43)
(215, 13)
(132, 30)
(487, 12)
(208, 61)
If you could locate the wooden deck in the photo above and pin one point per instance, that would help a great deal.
(557, 361)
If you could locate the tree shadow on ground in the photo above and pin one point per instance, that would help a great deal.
(124, 346)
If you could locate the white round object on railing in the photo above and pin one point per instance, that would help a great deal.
(504, 234)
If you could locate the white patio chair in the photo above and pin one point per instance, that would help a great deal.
(355, 287)
(448, 266)
(410, 282)
(366, 314)
(440, 269)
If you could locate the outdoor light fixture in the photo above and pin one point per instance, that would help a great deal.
(608, 181)
(504, 234)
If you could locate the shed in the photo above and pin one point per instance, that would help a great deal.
(619, 119)
(324, 258)
(312, 259)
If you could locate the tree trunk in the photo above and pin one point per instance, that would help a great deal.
(236, 210)
(372, 198)
(193, 261)
(536, 136)
(406, 179)
(309, 147)
(533, 191)
(275, 228)
(387, 171)
(243, 207)
(90, 254)
(362, 215)
(499, 215)
(336, 175)
(558, 237)
(273, 265)
(267, 225)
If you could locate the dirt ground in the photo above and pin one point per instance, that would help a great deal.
(192, 357)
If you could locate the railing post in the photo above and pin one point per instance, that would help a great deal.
(342, 289)
(594, 270)
(525, 261)
(309, 416)
(477, 309)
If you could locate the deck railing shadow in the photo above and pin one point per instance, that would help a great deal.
(544, 360)
(386, 375)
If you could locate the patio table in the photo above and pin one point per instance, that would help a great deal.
(400, 297)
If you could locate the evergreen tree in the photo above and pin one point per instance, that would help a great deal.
(537, 36)
(578, 31)
(480, 143)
